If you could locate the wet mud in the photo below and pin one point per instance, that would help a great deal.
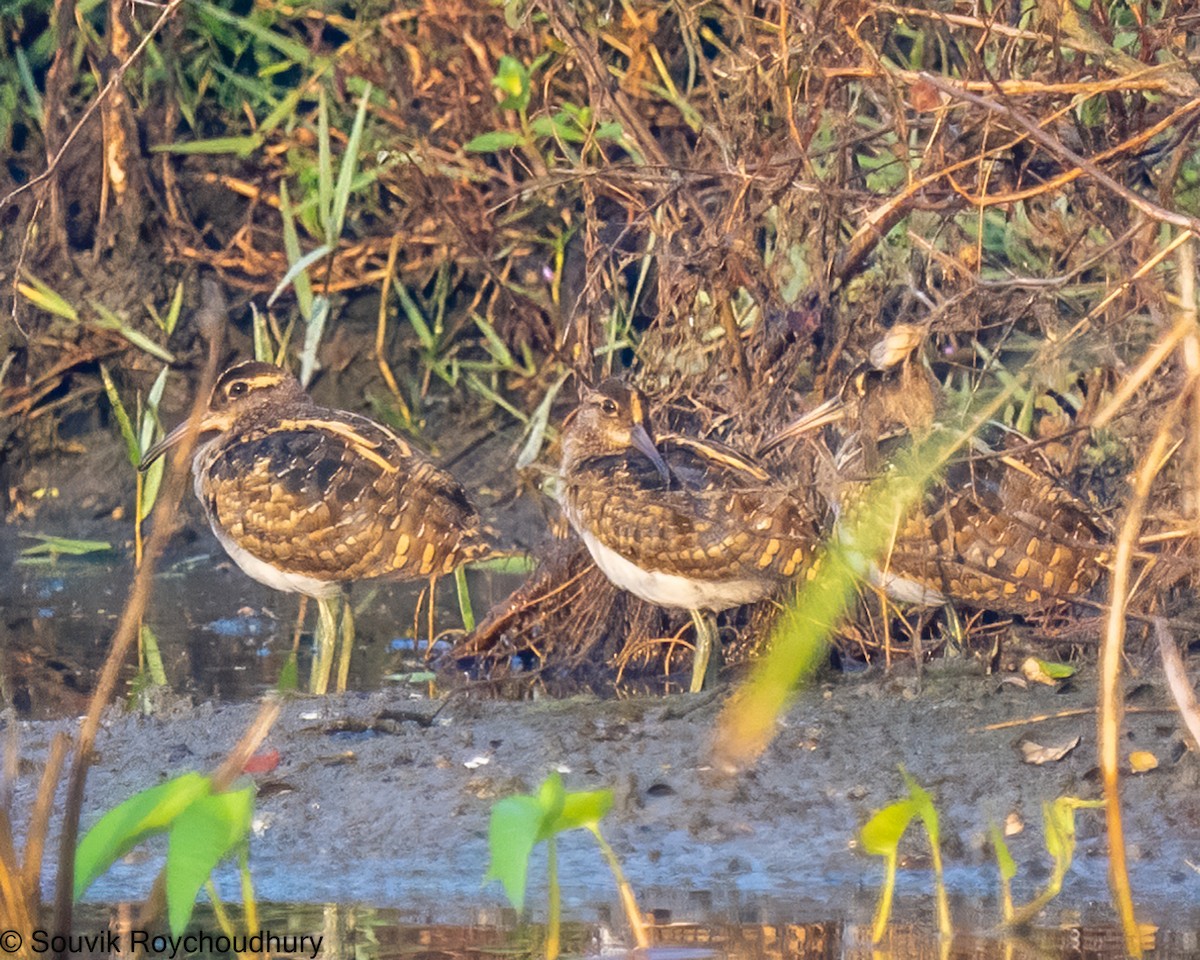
(384, 799)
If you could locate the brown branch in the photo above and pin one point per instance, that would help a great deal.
(1056, 147)
(52, 166)
(126, 632)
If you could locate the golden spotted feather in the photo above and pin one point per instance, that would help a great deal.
(336, 497)
(305, 498)
(718, 517)
(1000, 534)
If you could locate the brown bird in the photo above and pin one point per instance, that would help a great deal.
(679, 522)
(996, 532)
(306, 499)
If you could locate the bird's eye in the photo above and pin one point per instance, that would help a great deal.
(609, 406)
(238, 388)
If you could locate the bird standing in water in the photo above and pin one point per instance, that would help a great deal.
(679, 522)
(306, 499)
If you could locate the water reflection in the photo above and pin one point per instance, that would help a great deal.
(222, 635)
(367, 933)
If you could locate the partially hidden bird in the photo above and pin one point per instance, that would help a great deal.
(307, 499)
(678, 521)
(994, 531)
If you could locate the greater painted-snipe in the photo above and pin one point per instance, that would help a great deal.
(996, 532)
(306, 499)
(679, 522)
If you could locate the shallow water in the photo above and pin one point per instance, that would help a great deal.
(395, 813)
(746, 931)
(222, 636)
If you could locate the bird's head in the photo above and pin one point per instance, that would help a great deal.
(242, 389)
(610, 420)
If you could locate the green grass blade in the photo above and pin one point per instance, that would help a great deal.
(325, 170)
(345, 183)
(313, 331)
(291, 246)
(51, 546)
(241, 146)
(296, 269)
(150, 416)
(132, 446)
(464, 598)
(292, 49)
(40, 295)
(153, 655)
(172, 317)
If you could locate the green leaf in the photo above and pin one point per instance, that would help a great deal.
(40, 295)
(291, 246)
(172, 316)
(494, 141)
(150, 417)
(153, 655)
(585, 808)
(126, 825)
(203, 835)
(345, 182)
(512, 79)
(131, 441)
(53, 546)
(1004, 861)
(324, 170)
(411, 310)
(923, 803)
(551, 795)
(236, 146)
(513, 832)
(298, 267)
(286, 46)
(881, 834)
(289, 676)
(516, 564)
(313, 329)
(609, 131)
(538, 423)
(1056, 671)
(110, 321)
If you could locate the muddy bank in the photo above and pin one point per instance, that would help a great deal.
(383, 799)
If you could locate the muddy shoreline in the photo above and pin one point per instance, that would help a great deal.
(384, 799)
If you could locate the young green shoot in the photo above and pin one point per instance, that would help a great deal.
(1058, 819)
(520, 823)
(881, 836)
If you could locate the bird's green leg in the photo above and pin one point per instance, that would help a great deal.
(347, 641)
(707, 660)
(325, 637)
(956, 633)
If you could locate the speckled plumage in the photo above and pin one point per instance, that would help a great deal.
(995, 532)
(1000, 535)
(306, 498)
(704, 528)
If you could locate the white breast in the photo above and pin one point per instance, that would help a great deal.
(672, 590)
(903, 590)
(251, 565)
(272, 576)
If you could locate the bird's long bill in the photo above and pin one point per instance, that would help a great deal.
(831, 411)
(176, 437)
(641, 440)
